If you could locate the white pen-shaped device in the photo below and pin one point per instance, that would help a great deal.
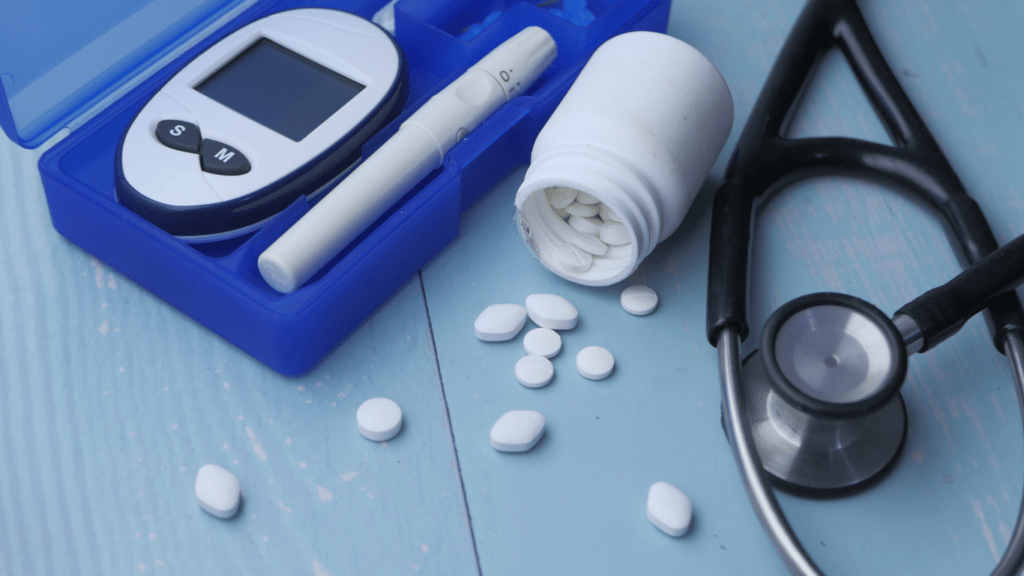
(406, 158)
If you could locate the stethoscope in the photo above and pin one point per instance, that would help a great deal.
(817, 408)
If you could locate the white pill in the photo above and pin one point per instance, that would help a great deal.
(560, 197)
(572, 259)
(595, 363)
(590, 226)
(551, 311)
(500, 322)
(585, 210)
(218, 491)
(584, 198)
(517, 431)
(534, 371)
(562, 214)
(619, 252)
(589, 244)
(379, 419)
(639, 300)
(607, 214)
(613, 233)
(542, 342)
(669, 509)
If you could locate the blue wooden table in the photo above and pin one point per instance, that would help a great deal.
(111, 400)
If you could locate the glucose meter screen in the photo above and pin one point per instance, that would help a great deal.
(286, 92)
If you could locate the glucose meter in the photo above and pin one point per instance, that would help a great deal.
(275, 110)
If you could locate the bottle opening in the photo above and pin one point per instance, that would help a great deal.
(577, 236)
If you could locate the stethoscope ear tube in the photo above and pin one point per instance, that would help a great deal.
(764, 161)
(941, 312)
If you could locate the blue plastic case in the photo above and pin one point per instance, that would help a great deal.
(102, 63)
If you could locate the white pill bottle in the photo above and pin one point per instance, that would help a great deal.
(629, 145)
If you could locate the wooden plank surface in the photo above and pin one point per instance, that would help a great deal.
(110, 400)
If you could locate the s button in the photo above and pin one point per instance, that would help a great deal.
(179, 135)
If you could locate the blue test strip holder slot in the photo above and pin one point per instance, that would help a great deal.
(95, 68)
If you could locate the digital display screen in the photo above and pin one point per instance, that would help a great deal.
(286, 92)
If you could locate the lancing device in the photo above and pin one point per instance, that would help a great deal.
(406, 158)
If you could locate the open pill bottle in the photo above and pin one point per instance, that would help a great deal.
(617, 166)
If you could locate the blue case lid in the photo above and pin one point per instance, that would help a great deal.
(60, 59)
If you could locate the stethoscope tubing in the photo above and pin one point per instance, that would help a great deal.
(765, 161)
(755, 479)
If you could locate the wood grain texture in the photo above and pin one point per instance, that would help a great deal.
(110, 400)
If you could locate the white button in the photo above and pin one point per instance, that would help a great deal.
(475, 89)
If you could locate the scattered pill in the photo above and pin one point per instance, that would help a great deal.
(669, 509)
(639, 300)
(595, 363)
(613, 233)
(560, 197)
(542, 342)
(585, 210)
(500, 322)
(517, 431)
(379, 419)
(218, 491)
(534, 371)
(551, 311)
(573, 259)
(584, 198)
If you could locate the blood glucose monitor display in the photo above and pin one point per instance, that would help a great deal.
(281, 90)
(273, 111)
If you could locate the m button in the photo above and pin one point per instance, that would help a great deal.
(219, 158)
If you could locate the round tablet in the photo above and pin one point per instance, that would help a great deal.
(551, 311)
(218, 491)
(500, 322)
(543, 342)
(379, 419)
(669, 509)
(534, 371)
(517, 431)
(595, 362)
(639, 300)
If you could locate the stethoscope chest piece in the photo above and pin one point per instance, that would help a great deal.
(822, 394)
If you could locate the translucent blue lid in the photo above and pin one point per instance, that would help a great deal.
(60, 60)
